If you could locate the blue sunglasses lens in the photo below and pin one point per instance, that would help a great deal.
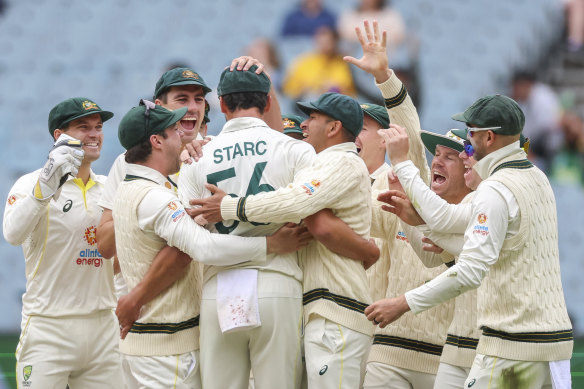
(468, 149)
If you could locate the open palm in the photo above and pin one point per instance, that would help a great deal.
(374, 47)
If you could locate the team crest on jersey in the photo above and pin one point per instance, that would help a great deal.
(311, 187)
(190, 74)
(89, 105)
(11, 200)
(482, 218)
(89, 236)
(402, 236)
(26, 373)
(172, 206)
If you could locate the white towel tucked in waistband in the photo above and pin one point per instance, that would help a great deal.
(237, 300)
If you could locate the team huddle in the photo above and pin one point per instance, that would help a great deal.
(285, 252)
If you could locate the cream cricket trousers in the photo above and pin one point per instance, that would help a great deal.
(162, 372)
(79, 351)
(450, 376)
(272, 351)
(383, 376)
(335, 355)
(489, 372)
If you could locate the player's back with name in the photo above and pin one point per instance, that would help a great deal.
(244, 162)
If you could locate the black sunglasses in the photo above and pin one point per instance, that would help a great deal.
(149, 105)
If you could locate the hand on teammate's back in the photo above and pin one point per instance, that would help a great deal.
(64, 158)
(289, 238)
(193, 150)
(209, 210)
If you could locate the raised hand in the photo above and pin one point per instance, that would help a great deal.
(64, 158)
(374, 45)
(396, 143)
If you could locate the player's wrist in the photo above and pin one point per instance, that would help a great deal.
(382, 76)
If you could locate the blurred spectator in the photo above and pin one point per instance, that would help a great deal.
(264, 50)
(2, 6)
(541, 107)
(307, 18)
(320, 71)
(380, 10)
(575, 25)
(567, 164)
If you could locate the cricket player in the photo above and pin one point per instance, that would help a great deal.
(335, 287)
(53, 214)
(407, 353)
(463, 333)
(291, 125)
(161, 348)
(526, 335)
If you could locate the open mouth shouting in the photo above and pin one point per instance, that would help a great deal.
(438, 179)
(188, 124)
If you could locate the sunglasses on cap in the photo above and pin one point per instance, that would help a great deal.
(471, 130)
(149, 105)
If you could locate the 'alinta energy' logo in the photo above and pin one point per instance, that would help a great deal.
(89, 235)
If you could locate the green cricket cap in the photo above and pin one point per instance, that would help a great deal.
(179, 76)
(450, 139)
(140, 122)
(243, 81)
(523, 141)
(74, 108)
(377, 113)
(339, 107)
(292, 124)
(494, 111)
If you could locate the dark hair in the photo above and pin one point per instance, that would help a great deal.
(524, 75)
(246, 100)
(349, 137)
(141, 151)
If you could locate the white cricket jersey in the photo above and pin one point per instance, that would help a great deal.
(65, 274)
(114, 178)
(246, 158)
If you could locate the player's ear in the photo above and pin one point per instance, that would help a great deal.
(336, 128)
(58, 133)
(222, 105)
(268, 104)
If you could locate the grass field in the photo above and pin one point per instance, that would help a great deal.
(8, 345)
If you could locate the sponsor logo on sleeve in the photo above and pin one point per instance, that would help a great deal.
(11, 200)
(480, 228)
(177, 213)
(402, 236)
(311, 187)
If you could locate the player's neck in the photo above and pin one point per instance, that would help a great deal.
(373, 162)
(240, 113)
(84, 172)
